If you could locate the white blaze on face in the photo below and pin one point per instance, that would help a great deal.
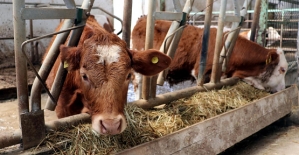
(108, 54)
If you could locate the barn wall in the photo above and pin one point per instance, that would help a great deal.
(40, 27)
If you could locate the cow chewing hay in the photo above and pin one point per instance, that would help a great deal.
(146, 125)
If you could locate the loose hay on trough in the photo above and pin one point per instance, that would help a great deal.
(146, 125)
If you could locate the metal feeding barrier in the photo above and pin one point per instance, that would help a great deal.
(32, 122)
(170, 44)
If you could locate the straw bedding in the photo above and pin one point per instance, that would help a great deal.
(146, 125)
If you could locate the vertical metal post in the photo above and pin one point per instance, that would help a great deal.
(148, 44)
(281, 29)
(256, 16)
(205, 42)
(21, 63)
(297, 54)
(262, 23)
(127, 17)
(215, 76)
(231, 39)
(47, 65)
(173, 41)
(29, 122)
(62, 72)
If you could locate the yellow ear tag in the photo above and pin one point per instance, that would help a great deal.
(65, 64)
(268, 60)
(155, 60)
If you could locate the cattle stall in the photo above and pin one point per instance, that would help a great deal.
(282, 18)
(281, 104)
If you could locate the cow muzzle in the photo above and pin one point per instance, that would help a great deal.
(109, 125)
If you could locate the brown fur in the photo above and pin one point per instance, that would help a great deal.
(100, 88)
(247, 58)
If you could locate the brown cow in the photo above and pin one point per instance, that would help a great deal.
(260, 67)
(99, 71)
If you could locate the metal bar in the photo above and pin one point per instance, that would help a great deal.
(232, 36)
(165, 46)
(127, 16)
(214, 135)
(260, 39)
(205, 42)
(31, 44)
(215, 76)
(148, 44)
(168, 16)
(256, 16)
(48, 13)
(171, 96)
(232, 19)
(9, 139)
(37, 106)
(173, 45)
(62, 72)
(174, 40)
(35, 102)
(20, 61)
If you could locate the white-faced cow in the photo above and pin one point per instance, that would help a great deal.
(271, 34)
(99, 71)
(259, 67)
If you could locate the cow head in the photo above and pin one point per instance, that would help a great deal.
(105, 63)
(273, 78)
(273, 34)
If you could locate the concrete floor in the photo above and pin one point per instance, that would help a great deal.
(273, 140)
(9, 117)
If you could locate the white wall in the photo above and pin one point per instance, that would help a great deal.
(41, 27)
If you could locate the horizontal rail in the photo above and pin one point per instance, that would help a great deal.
(168, 16)
(48, 13)
(67, 122)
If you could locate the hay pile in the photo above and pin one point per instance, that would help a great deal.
(144, 126)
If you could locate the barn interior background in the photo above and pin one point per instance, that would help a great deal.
(283, 16)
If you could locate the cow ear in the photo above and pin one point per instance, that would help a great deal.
(149, 62)
(71, 57)
(272, 58)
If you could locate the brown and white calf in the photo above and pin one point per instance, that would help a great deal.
(99, 71)
(271, 34)
(259, 67)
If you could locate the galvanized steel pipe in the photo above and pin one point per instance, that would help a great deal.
(171, 96)
(20, 61)
(262, 23)
(62, 72)
(255, 21)
(215, 76)
(148, 44)
(127, 17)
(205, 42)
(47, 65)
(9, 139)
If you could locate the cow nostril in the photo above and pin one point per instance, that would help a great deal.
(110, 126)
(104, 130)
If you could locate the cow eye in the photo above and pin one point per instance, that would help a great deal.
(84, 77)
(282, 69)
(129, 76)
